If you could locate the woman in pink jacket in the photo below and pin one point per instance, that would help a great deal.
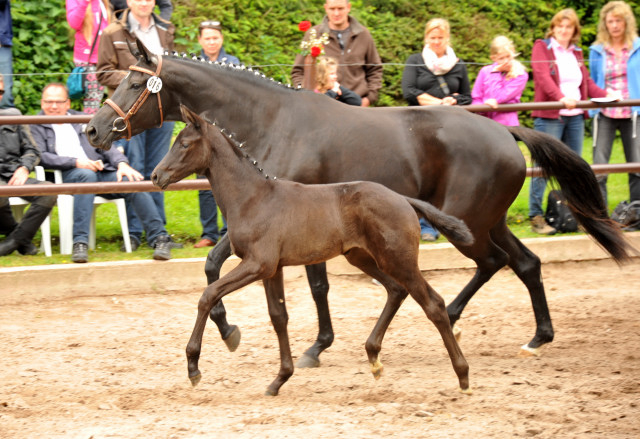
(88, 18)
(501, 82)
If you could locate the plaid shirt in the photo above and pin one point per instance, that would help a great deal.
(616, 80)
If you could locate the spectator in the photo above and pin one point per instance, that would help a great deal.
(559, 74)
(165, 7)
(360, 67)
(327, 82)
(435, 77)
(145, 150)
(211, 42)
(6, 57)
(614, 61)
(65, 147)
(18, 157)
(88, 18)
(501, 82)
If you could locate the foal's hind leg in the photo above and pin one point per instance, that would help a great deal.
(526, 265)
(274, 288)
(395, 296)
(218, 254)
(319, 283)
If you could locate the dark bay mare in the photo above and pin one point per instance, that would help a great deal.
(275, 223)
(465, 164)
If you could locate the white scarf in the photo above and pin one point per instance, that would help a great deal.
(442, 65)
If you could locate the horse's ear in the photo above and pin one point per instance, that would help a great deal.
(133, 48)
(141, 52)
(189, 116)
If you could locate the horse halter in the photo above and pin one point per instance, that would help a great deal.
(124, 118)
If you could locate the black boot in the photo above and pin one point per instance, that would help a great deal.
(20, 238)
(7, 221)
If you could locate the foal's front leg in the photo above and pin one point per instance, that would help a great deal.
(274, 288)
(230, 333)
(240, 276)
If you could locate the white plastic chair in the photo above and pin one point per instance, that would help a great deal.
(65, 215)
(18, 206)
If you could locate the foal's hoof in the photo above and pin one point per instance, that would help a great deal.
(457, 333)
(526, 351)
(271, 392)
(466, 391)
(376, 369)
(195, 379)
(233, 340)
(307, 361)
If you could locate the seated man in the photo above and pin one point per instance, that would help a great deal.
(18, 156)
(65, 147)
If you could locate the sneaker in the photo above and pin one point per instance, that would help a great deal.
(162, 250)
(80, 252)
(428, 237)
(134, 245)
(540, 226)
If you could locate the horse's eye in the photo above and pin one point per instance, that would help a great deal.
(135, 86)
(185, 145)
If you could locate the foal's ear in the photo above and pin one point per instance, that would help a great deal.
(189, 116)
(140, 51)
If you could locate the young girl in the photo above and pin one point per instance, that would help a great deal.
(501, 82)
(327, 82)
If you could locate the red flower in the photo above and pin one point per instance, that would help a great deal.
(304, 26)
(315, 51)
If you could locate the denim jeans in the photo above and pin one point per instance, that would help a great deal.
(140, 202)
(568, 129)
(144, 152)
(209, 216)
(605, 135)
(426, 227)
(6, 68)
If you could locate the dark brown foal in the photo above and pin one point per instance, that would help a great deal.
(275, 223)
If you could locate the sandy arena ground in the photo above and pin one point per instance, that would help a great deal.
(114, 367)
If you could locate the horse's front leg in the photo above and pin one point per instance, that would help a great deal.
(230, 333)
(319, 283)
(243, 274)
(274, 289)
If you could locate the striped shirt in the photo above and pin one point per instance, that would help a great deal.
(615, 79)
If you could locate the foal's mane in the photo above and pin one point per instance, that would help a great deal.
(247, 73)
(238, 149)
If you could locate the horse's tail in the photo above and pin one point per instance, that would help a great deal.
(579, 186)
(453, 228)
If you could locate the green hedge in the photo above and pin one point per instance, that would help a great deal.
(264, 33)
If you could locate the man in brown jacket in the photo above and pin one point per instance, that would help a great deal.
(350, 43)
(146, 149)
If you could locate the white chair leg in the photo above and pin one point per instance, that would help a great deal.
(45, 228)
(124, 224)
(65, 220)
(92, 230)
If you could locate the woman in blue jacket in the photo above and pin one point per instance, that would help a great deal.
(614, 61)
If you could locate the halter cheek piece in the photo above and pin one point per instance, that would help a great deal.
(124, 118)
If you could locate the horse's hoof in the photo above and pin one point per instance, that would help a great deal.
(271, 392)
(233, 340)
(457, 333)
(376, 369)
(195, 379)
(466, 391)
(526, 351)
(307, 361)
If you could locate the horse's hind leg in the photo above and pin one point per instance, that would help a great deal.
(526, 265)
(395, 296)
(218, 254)
(243, 274)
(319, 283)
(274, 288)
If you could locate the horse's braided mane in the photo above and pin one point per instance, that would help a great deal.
(241, 68)
(240, 151)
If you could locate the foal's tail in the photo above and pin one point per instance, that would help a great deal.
(579, 186)
(453, 228)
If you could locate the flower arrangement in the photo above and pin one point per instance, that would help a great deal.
(314, 45)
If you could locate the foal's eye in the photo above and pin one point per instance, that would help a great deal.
(136, 86)
(185, 145)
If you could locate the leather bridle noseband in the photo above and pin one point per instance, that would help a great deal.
(124, 118)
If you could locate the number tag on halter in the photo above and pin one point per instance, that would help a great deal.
(154, 84)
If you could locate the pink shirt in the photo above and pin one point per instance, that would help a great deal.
(491, 84)
(616, 81)
(76, 10)
(570, 74)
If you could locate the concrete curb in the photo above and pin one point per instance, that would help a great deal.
(54, 282)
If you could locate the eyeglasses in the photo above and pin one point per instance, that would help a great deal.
(47, 102)
(210, 25)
